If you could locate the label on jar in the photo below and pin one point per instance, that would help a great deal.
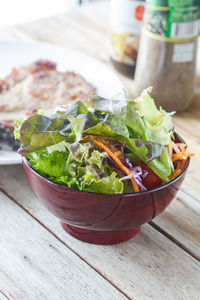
(126, 24)
(173, 20)
(183, 52)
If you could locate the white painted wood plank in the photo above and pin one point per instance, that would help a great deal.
(149, 266)
(181, 220)
(35, 265)
(3, 297)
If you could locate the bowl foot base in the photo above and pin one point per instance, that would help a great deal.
(100, 237)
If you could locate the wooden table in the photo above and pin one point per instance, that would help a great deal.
(38, 260)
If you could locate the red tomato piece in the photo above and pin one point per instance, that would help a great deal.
(151, 180)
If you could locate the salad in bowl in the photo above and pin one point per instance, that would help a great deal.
(104, 166)
(103, 145)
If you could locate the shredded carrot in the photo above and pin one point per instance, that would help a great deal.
(181, 156)
(176, 157)
(104, 141)
(183, 163)
(116, 159)
(118, 162)
(117, 153)
(176, 173)
(178, 170)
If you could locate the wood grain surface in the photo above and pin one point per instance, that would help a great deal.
(161, 262)
(36, 265)
(151, 254)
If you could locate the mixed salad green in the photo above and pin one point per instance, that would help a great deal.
(100, 145)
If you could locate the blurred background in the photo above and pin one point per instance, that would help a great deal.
(24, 11)
(124, 44)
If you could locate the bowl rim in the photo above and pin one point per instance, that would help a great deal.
(107, 194)
(25, 160)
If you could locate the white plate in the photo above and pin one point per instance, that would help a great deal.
(8, 157)
(15, 54)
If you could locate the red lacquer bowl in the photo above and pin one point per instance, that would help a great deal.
(102, 218)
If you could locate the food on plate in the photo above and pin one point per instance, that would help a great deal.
(6, 134)
(104, 145)
(39, 86)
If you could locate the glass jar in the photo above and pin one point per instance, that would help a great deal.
(126, 24)
(168, 51)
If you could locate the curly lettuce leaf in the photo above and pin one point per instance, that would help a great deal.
(96, 159)
(68, 181)
(91, 120)
(52, 164)
(124, 110)
(39, 131)
(79, 151)
(144, 150)
(74, 109)
(159, 120)
(116, 125)
(107, 185)
(77, 126)
(60, 167)
(61, 147)
(18, 123)
(136, 115)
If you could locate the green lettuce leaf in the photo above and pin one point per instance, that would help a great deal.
(107, 185)
(116, 125)
(134, 114)
(61, 147)
(74, 109)
(136, 124)
(159, 120)
(68, 181)
(52, 164)
(124, 110)
(91, 120)
(96, 159)
(77, 126)
(162, 166)
(39, 131)
(79, 151)
(60, 167)
(144, 150)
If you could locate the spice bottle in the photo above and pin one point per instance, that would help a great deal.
(126, 24)
(167, 54)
